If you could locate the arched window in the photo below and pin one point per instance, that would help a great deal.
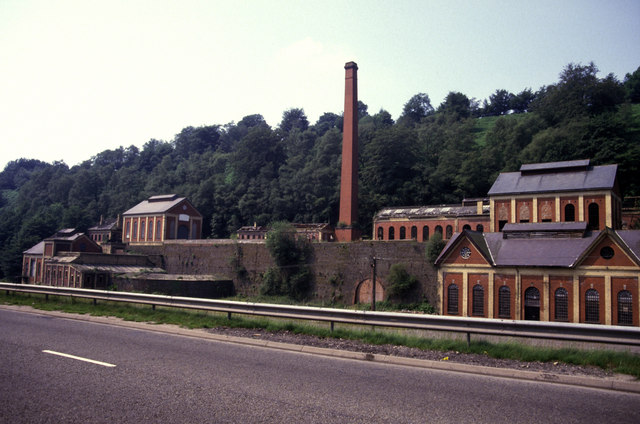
(150, 235)
(561, 304)
(625, 308)
(380, 233)
(158, 230)
(480, 228)
(504, 302)
(592, 306)
(438, 229)
(127, 233)
(466, 227)
(134, 236)
(569, 213)
(594, 216)
(532, 304)
(392, 233)
(477, 308)
(414, 232)
(142, 230)
(452, 299)
(449, 231)
(425, 233)
(403, 233)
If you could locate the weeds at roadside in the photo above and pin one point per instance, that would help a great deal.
(620, 362)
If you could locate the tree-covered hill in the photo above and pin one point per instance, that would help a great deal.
(245, 172)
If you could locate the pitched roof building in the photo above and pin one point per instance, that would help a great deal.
(160, 218)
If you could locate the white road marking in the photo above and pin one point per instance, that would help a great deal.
(79, 358)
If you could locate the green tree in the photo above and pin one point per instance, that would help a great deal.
(418, 107)
(632, 86)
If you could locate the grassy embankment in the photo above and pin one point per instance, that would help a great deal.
(620, 362)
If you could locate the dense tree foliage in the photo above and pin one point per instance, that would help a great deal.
(245, 172)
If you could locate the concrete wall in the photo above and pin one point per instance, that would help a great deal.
(338, 267)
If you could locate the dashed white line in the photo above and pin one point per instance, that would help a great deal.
(79, 358)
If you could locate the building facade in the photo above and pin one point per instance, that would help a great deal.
(421, 222)
(555, 251)
(544, 271)
(160, 218)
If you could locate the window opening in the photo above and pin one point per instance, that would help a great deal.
(569, 213)
(594, 216)
(504, 302)
(449, 231)
(403, 233)
(592, 306)
(414, 232)
(452, 299)
(625, 308)
(561, 304)
(425, 233)
(380, 233)
(392, 233)
(532, 304)
(478, 301)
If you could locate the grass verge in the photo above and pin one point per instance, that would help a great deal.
(620, 362)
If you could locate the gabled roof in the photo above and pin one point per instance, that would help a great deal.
(551, 250)
(155, 204)
(38, 249)
(555, 177)
(477, 240)
(109, 224)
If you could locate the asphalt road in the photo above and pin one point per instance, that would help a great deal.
(169, 378)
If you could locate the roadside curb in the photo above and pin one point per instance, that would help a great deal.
(618, 382)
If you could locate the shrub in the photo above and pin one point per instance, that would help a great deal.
(401, 283)
(435, 246)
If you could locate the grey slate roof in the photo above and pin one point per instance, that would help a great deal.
(554, 179)
(155, 204)
(552, 251)
(38, 249)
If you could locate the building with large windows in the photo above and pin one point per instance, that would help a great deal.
(555, 251)
(161, 218)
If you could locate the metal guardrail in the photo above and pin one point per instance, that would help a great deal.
(593, 333)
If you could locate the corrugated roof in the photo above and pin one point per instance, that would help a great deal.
(555, 180)
(416, 212)
(155, 204)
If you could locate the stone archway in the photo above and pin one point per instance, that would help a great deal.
(363, 292)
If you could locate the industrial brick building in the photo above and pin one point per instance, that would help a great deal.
(160, 218)
(555, 251)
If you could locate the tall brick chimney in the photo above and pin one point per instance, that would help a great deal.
(347, 226)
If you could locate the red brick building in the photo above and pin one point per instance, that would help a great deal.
(160, 218)
(544, 271)
(421, 222)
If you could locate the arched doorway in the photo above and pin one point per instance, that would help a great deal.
(594, 216)
(532, 304)
(363, 292)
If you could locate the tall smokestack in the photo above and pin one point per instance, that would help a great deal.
(347, 227)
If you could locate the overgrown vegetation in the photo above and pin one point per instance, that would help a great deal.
(434, 247)
(401, 283)
(621, 362)
(291, 276)
(247, 171)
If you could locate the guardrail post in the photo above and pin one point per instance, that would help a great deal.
(95, 301)
(468, 339)
(46, 297)
(229, 316)
(153, 307)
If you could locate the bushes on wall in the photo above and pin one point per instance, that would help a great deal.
(401, 283)
(291, 275)
(435, 246)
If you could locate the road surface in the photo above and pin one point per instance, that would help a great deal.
(139, 376)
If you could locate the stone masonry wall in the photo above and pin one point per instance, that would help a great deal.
(338, 267)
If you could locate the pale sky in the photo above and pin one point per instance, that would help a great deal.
(80, 76)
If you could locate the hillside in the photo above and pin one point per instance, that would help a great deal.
(246, 172)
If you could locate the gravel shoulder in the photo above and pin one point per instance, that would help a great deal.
(407, 352)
